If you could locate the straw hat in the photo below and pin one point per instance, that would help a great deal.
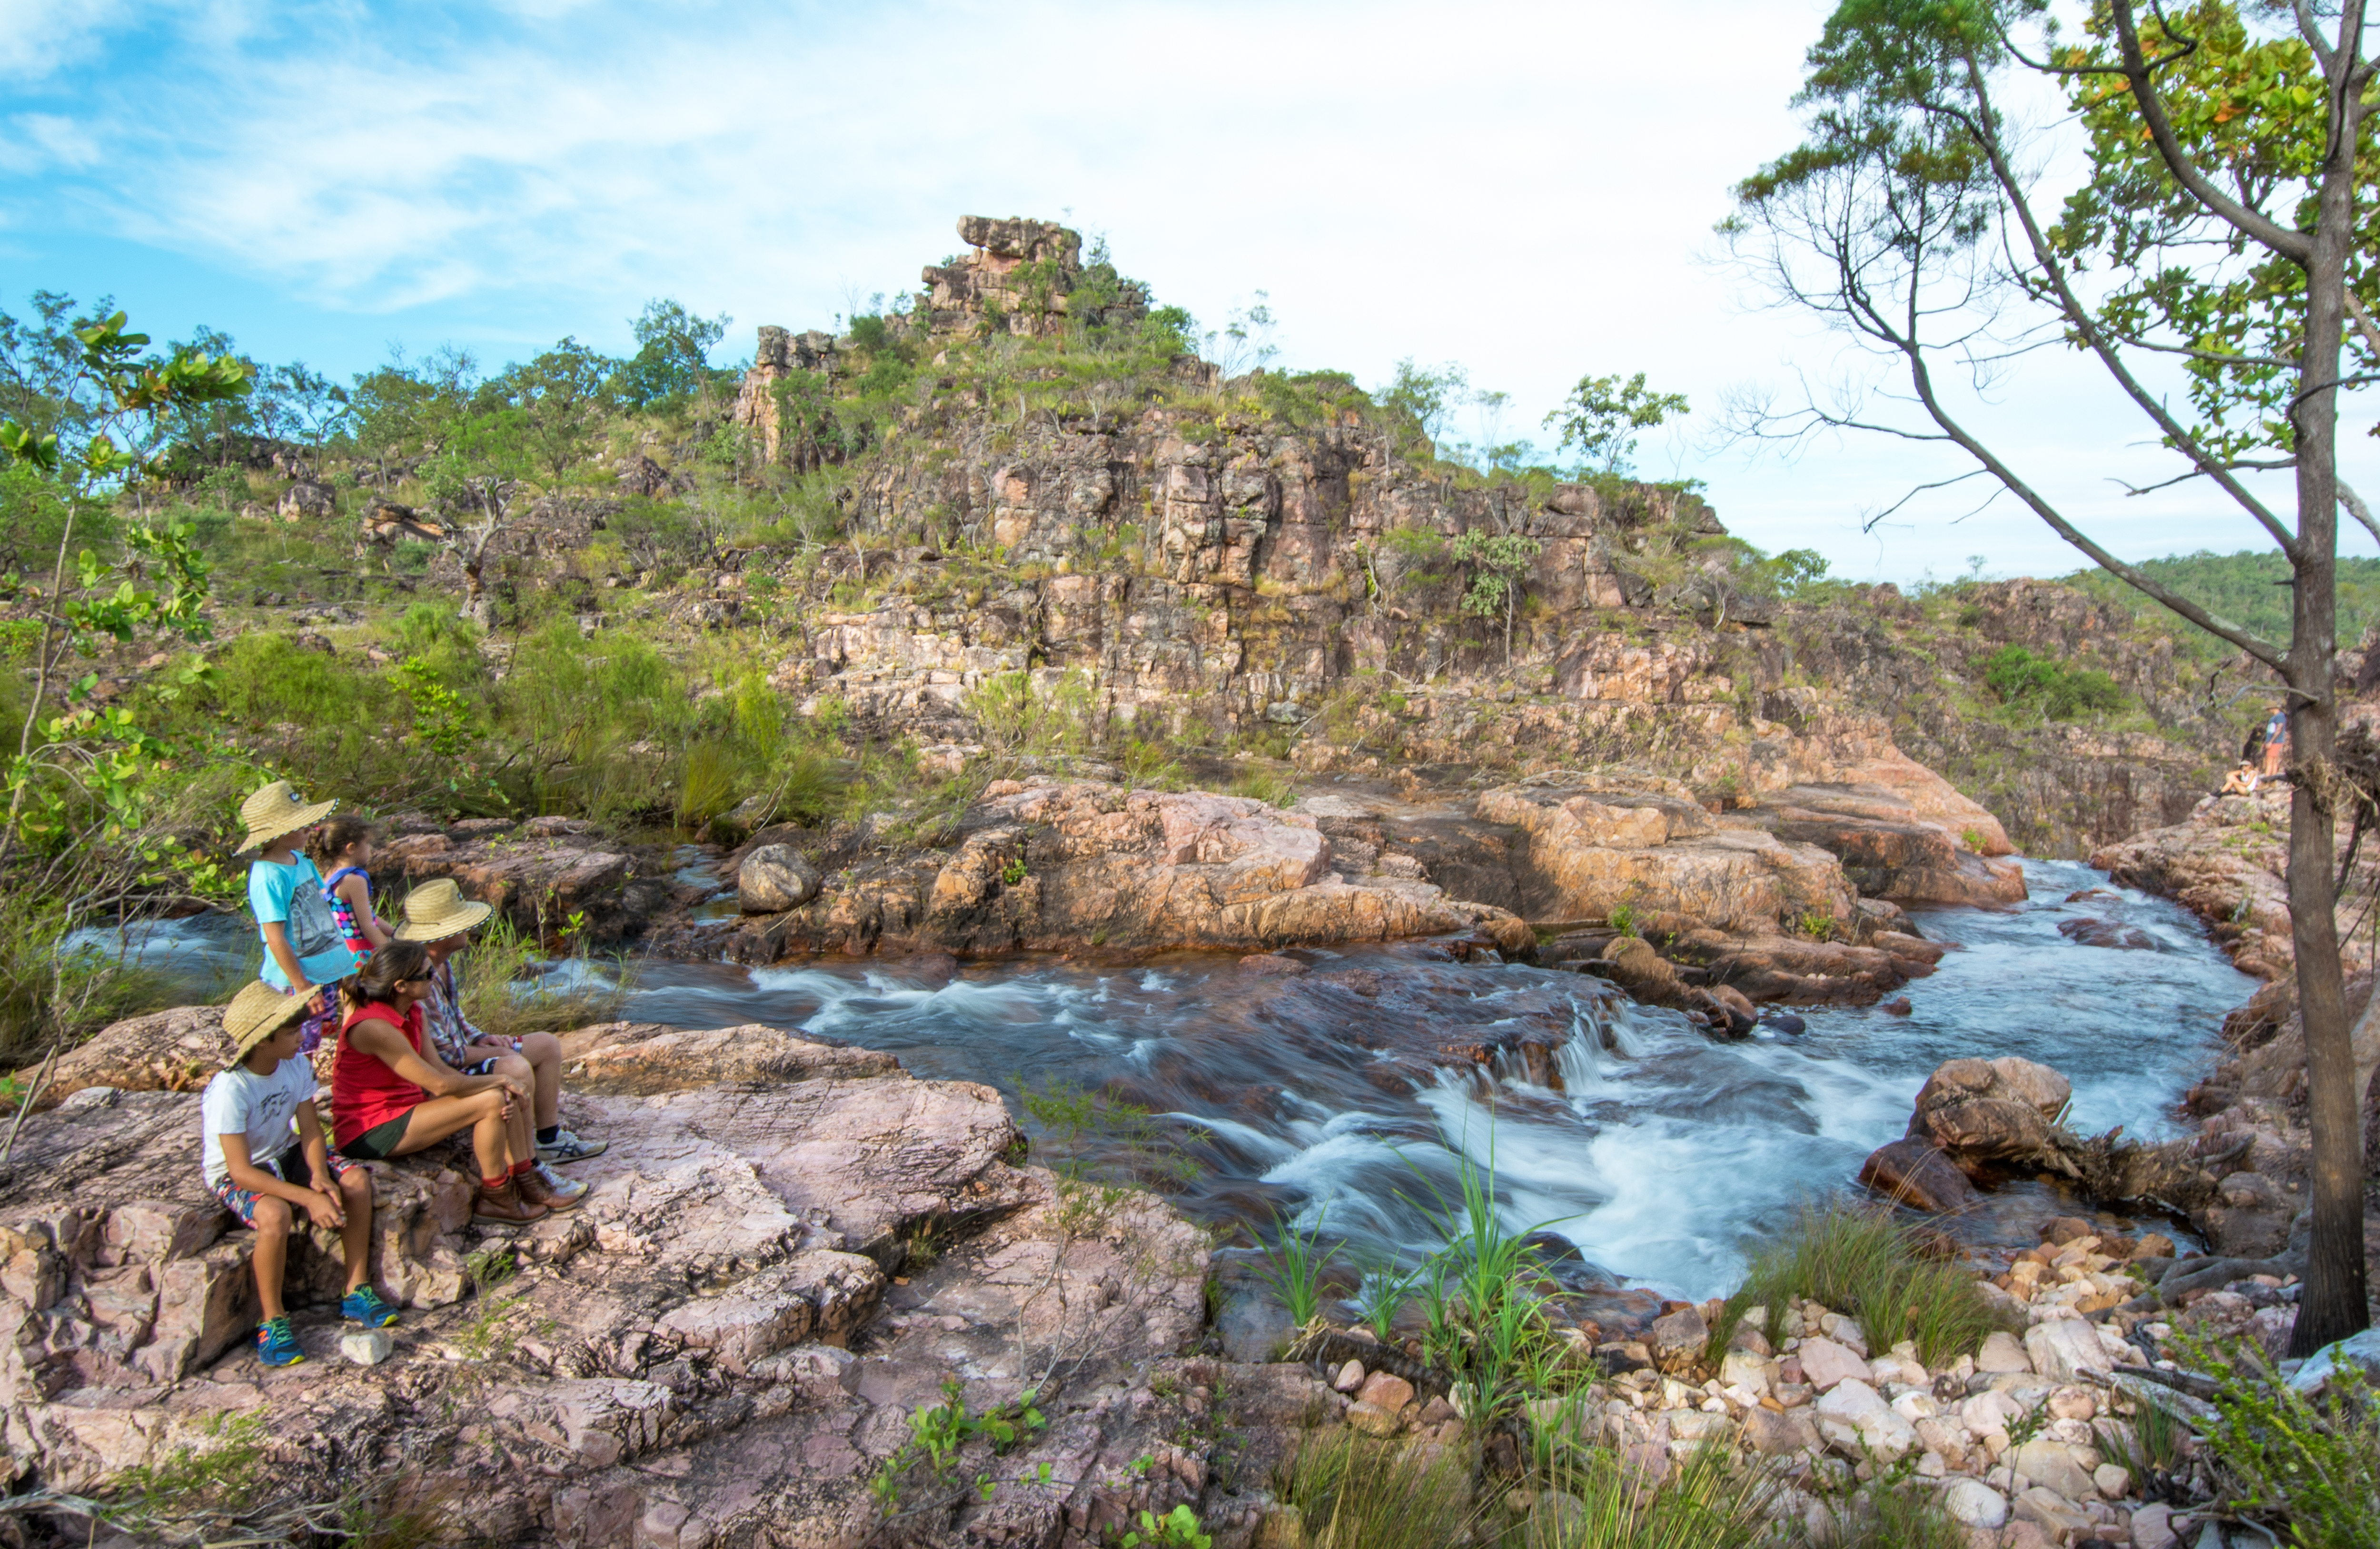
(438, 910)
(256, 1014)
(278, 809)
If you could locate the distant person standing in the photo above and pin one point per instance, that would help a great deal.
(2276, 742)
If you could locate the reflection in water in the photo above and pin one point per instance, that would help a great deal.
(1351, 1089)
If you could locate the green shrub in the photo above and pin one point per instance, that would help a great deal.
(2316, 1461)
(1857, 1258)
(1268, 786)
(2061, 692)
(267, 678)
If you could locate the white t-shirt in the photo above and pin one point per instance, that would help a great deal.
(263, 1107)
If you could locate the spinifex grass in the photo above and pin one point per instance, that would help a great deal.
(1591, 1499)
(1857, 1258)
(495, 1001)
(1354, 1493)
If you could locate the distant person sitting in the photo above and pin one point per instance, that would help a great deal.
(2241, 781)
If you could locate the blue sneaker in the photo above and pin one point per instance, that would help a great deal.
(276, 1343)
(364, 1306)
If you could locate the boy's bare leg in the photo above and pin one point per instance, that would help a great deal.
(355, 1239)
(272, 1253)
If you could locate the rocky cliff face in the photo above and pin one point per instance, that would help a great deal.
(1275, 560)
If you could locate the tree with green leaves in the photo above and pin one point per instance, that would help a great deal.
(560, 397)
(76, 779)
(2221, 229)
(673, 357)
(1499, 562)
(1602, 415)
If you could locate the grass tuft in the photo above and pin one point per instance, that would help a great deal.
(1857, 1258)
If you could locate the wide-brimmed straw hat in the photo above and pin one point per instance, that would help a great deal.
(438, 910)
(278, 809)
(257, 1013)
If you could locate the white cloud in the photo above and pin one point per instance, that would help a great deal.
(1523, 186)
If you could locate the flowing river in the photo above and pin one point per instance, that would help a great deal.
(1329, 1098)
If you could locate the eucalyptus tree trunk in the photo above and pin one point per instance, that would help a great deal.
(2333, 1302)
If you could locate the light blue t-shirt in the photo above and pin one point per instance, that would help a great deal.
(293, 895)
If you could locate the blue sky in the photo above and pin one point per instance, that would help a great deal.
(1525, 189)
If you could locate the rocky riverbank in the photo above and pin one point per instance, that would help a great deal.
(791, 1249)
(1792, 898)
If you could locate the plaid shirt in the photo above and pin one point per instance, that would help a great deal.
(442, 1012)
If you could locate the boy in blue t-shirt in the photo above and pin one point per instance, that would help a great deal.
(304, 953)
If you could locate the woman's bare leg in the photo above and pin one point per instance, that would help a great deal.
(481, 1113)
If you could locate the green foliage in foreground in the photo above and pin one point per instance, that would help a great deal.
(2315, 1462)
(2249, 588)
(1857, 1258)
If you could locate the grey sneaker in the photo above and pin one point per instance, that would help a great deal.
(567, 1148)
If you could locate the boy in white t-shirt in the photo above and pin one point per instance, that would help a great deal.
(258, 1123)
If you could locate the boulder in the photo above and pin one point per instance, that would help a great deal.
(1974, 1504)
(687, 1374)
(774, 878)
(1775, 1434)
(1916, 1174)
(178, 1050)
(1978, 1112)
(1826, 1364)
(2360, 1351)
(2000, 1352)
(1855, 1421)
(2052, 1463)
(1887, 849)
(2064, 1349)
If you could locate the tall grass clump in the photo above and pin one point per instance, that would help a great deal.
(501, 958)
(1354, 1493)
(1857, 1258)
(1887, 1516)
(1295, 1269)
(1486, 1321)
(1591, 1499)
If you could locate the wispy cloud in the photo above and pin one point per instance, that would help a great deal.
(1521, 185)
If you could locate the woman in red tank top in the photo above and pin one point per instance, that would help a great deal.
(391, 1094)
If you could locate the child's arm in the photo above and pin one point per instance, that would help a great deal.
(245, 1174)
(317, 1158)
(425, 1069)
(357, 891)
(276, 941)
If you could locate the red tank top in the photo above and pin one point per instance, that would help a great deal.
(364, 1091)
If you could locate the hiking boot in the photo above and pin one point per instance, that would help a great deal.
(503, 1206)
(567, 1148)
(541, 1186)
(364, 1306)
(276, 1343)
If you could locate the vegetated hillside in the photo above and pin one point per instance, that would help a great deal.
(2249, 588)
(1022, 520)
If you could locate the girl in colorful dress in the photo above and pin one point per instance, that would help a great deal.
(344, 846)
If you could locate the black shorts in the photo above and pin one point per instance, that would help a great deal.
(380, 1142)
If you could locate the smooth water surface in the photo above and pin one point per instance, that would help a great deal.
(1344, 1093)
